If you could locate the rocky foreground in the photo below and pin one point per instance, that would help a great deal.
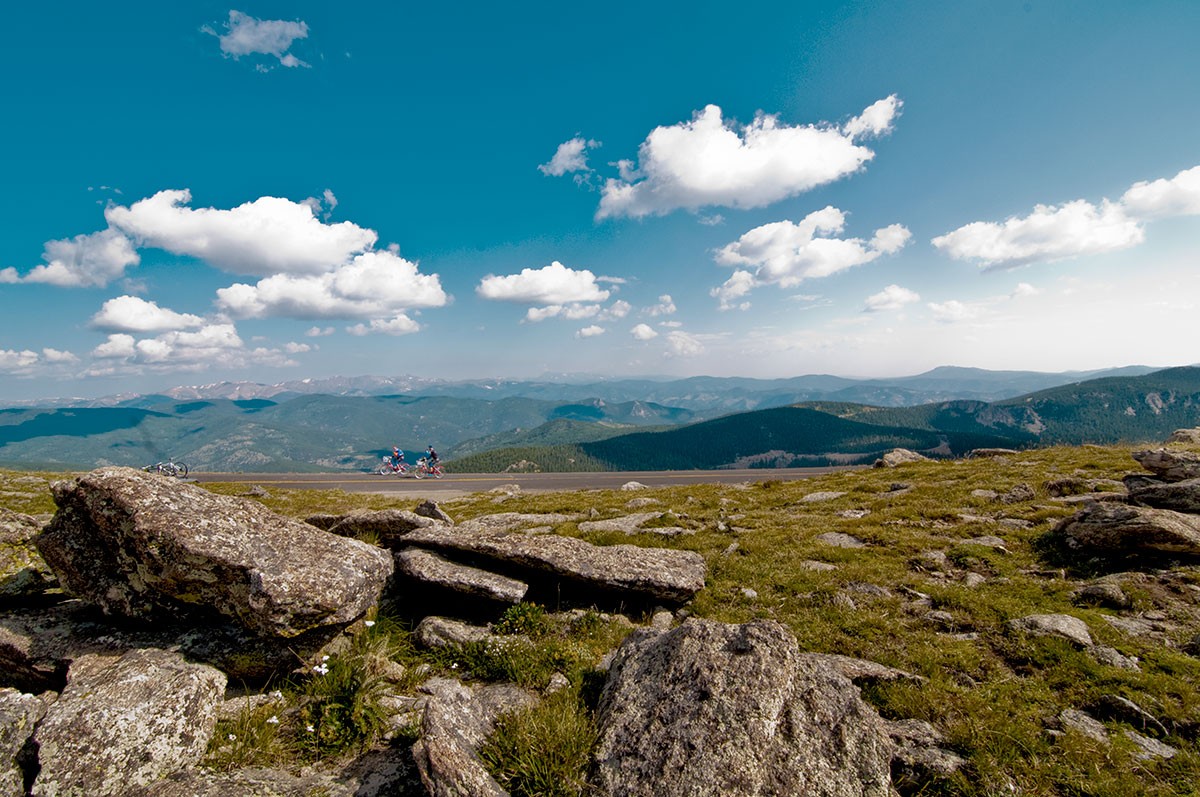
(132, 619)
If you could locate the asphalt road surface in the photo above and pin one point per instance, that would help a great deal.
(462, 483)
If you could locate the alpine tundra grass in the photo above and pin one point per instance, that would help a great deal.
(994, 694)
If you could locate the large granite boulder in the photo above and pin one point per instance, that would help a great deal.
(142, 545)
(639, 574)
(125, 722)
(1122, 529)
(716, 709)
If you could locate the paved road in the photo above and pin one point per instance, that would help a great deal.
(529, 482)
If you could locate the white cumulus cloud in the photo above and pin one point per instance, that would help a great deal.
(738, 285)
(1058, 232)
(1179, 196)
(786, 253)
(681, 344)
(211, 346)
(378, 284)
(270, 235)
(590, 331)
(710, 161)
(550, 285)
(400, 325)
(85, 261)
(1047, 234)
(643, 332)
(17, 362)
(893, 297)
(133, 314)
(665, 306)
(245, 35)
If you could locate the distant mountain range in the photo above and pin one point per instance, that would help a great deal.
(703, 394)
(1111, 410)
(701, 422)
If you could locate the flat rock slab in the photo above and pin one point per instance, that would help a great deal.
(142, 545)
(1181, 496)
(649, 573)
(1124, 529)
(127, 721)
(716, 709)
(1172, 466)
(430, 570)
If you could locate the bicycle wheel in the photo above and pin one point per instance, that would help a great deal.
(438, 473)
(419, 473)
(182, 469)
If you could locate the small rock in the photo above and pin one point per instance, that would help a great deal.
(431, 510)
(986, 495)
(641, 501)
(662, 620)
(1149, 748)
(634, 486)
(1109, 595)
(1084, 723)
(825, 495)
(557, 683)
(1018, 494)
(897, 457)
(839, 540)
(749, 593)
(1114, 658)
(820, 567)
(1063, 626)
(853, 514)
(988, 541)
(443, 632)
(941, 620)
(973, 580)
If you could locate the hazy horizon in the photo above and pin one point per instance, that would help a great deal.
(861, 189)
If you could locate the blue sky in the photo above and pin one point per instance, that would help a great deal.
(268, 191)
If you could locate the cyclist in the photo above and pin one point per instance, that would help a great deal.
(397, 458)
(432, 456)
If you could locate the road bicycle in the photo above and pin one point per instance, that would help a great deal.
(424, 468)
(168, 468)
(387, 467)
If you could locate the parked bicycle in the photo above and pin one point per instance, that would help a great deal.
(168, 468)
(425, 468)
